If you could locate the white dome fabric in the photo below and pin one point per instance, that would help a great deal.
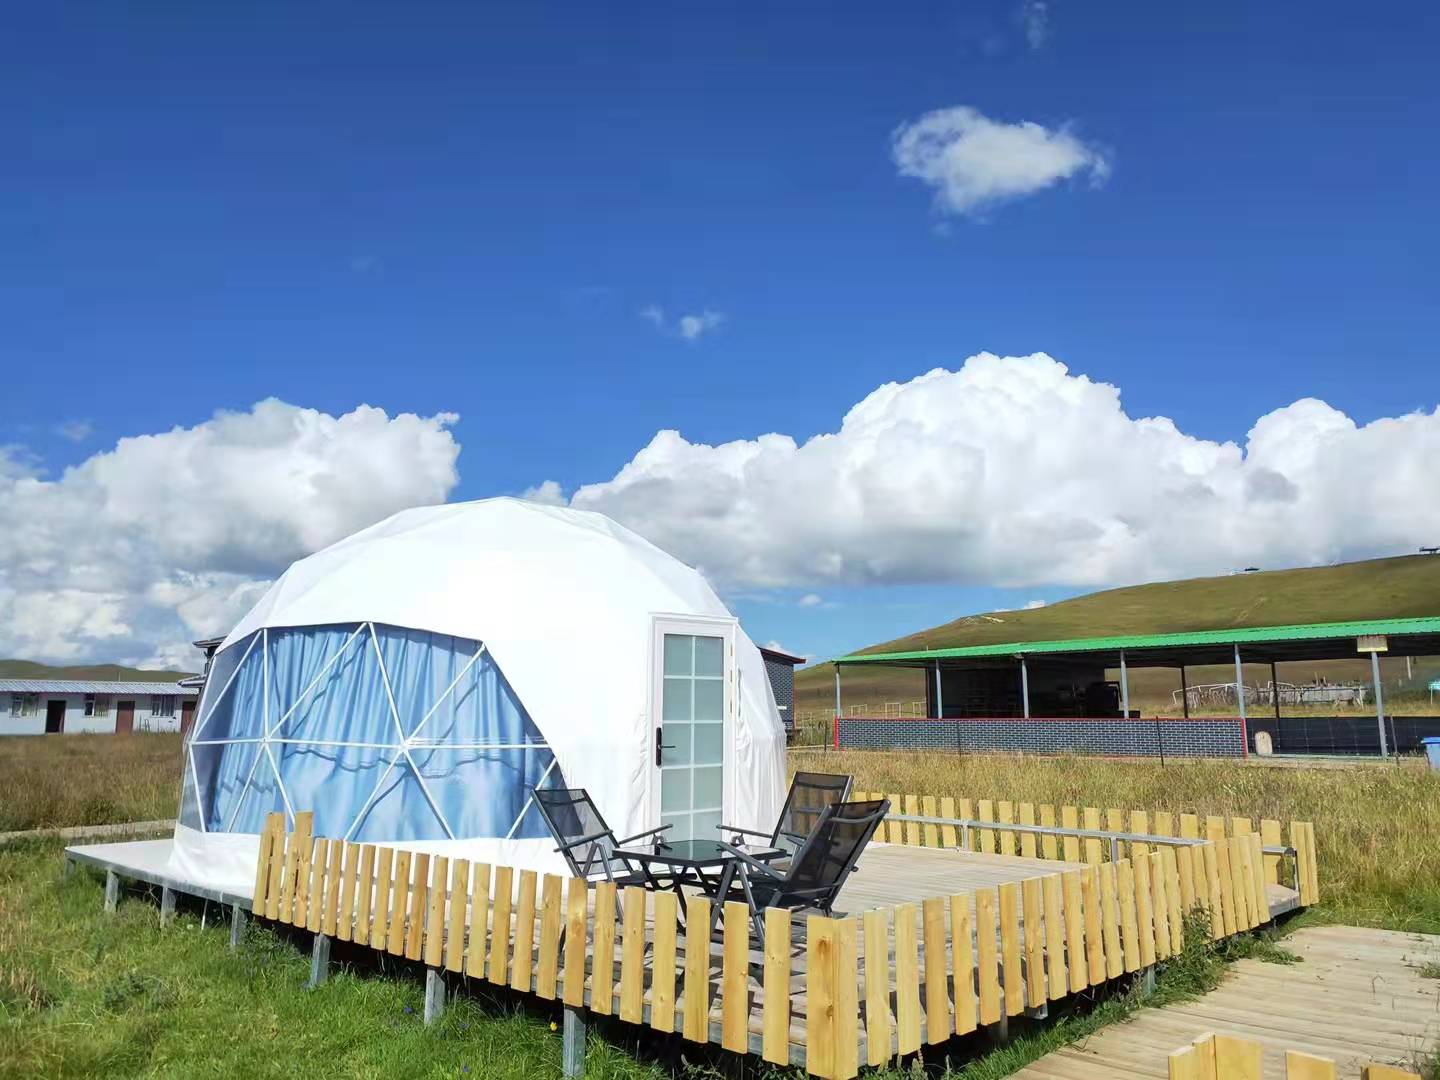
(566, 604)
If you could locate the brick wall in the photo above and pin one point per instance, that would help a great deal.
(1198, 737)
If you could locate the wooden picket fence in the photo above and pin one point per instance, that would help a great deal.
(1236, 893)
(826, 993)
(1224, 1057)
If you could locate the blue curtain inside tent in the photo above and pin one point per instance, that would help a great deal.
(431, 737)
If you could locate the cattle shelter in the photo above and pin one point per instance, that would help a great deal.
(1061, 696)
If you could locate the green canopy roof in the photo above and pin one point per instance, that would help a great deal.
(1302, 632)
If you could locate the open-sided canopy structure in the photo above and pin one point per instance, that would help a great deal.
(410, 683)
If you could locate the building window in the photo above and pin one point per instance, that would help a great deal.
(97, 704)
(24, 704)
(162, 704)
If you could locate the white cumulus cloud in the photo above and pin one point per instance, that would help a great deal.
(1015, 472)
(974, 162)
(686, 327)
(128, 555)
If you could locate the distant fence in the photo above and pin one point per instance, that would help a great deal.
(827, 993)
(1210, 737)
(1224, 1057)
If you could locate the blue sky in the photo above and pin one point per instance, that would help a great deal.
(466, 208)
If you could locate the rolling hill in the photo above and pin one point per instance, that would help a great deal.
(29, 669)
(1398, 587)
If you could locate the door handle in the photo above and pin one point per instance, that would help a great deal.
(659, 746)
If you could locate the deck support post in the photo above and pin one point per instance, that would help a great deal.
(434, 995)
(167, 904)
(1379, 701)
(112, 890)
(1002, 1027)
(319, 961)
(1039, 1012)
(237, 925)
(1124, 688)
(573, 1042)
(1147, 981)
(1024, 688)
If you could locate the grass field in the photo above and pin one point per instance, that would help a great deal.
(83, 994)
(50, 781)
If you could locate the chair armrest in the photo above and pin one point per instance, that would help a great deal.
(751, 865)
(742, 832)
(582, 840)
(642, 835)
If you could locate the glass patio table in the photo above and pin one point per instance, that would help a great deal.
(704, 864)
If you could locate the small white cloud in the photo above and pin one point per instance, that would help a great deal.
(74, 430)
(974, 162)
(694, 326)
(367, 264)
(811, 600)
(687, 327)
(1035, 17)
(1031, 605)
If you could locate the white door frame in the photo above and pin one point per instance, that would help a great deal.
(721, 626)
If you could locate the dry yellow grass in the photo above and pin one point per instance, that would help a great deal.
(57, 780)
(1376, 826)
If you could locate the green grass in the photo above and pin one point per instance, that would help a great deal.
(83, 994)
(50, 781)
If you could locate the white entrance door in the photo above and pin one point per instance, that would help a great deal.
(693, 662)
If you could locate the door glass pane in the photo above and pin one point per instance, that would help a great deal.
(675, 791)
(709, 656)
(708, 787)
(675, 744)
(707, 824)
(709, 701)
(709, 744)
(676, 707)
(679, 654)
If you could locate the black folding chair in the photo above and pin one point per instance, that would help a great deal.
(810, 794)
(588, 844)
(817, 871)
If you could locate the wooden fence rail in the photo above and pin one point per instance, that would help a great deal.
(1224, 1057)
(830, 994)
(1239, 902)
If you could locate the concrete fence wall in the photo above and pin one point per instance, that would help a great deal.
(1116, 737)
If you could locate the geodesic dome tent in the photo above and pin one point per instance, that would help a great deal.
(412, 682)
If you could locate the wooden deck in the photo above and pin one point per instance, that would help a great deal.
(890, 874)
(1357, 997)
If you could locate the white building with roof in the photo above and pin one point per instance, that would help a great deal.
(100, 706)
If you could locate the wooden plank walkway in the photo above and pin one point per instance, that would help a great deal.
(1357, 997)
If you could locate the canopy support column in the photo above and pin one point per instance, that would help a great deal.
(837, 690)
(1379, 701)
(1239, 683)
(939, 695)
(1184, 693)
(1124, 688)
(1275, 691)
(1024, 687)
